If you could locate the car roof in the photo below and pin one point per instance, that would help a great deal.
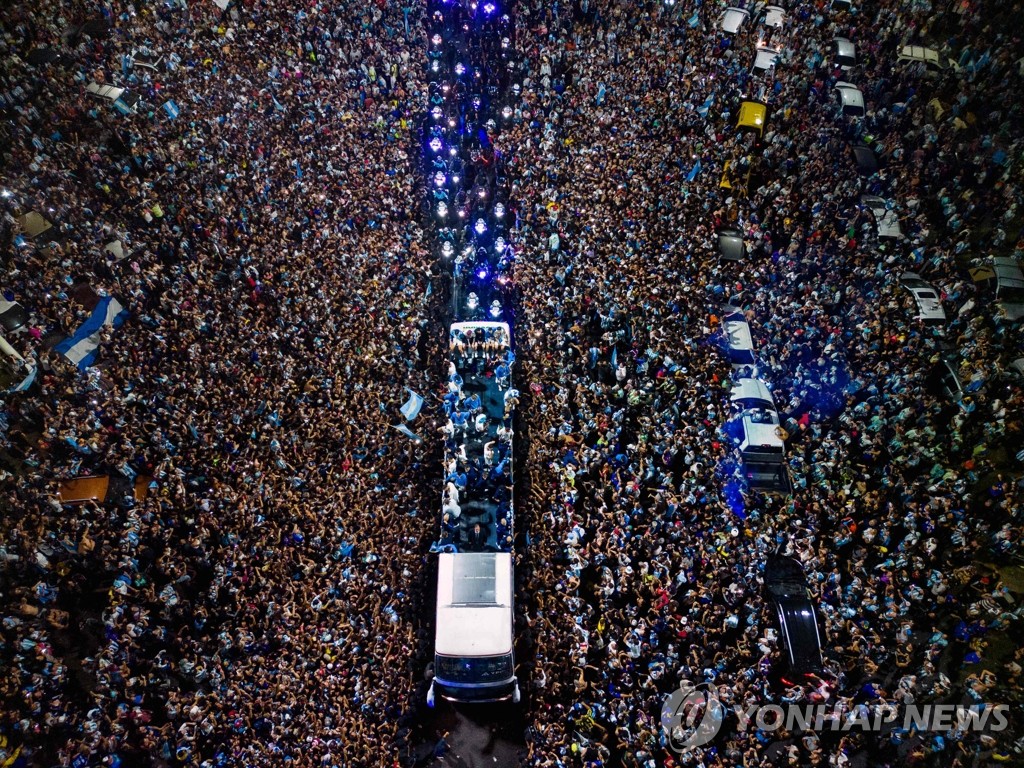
(737, 331)
(765, 58)
(12, 315)
(865, 158)
(786, 573)
(845, 46)
(914, 280)
(925, 294)
(752, 115)
(920, 53)
(1008, 272)
(733, 18)
(774, 16)
(730, 244)
(850, 94)
(799, 623)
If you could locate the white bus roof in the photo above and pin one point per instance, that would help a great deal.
(748, 392)
(474, 604)
(737, 331)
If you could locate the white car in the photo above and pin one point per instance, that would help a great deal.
(932, 59)
(929, 305)
(887, 223)
(845, 53)
(147, 60)
(733, 20)
(774, 17)
(850, 98)
(765, 59)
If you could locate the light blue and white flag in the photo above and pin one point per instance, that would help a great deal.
(694, 20)
(693, 173)
(704, 108)
(408, 432)
(412, 406)
(27, 381)
(82, 346)
(171, 108)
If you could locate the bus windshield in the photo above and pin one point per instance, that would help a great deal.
(463, 669)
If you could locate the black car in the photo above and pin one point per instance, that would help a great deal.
(13, 316)
(864, 159)
(786, 586)
(942, 379)
(730, 244)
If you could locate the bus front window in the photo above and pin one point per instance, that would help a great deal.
(486, 669)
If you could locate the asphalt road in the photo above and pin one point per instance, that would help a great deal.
(481, 736)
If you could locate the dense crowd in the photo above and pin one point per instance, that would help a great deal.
(260, 604)
(263, 603)
(659, 550)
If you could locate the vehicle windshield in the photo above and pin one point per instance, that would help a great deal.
(470, 669)
(1011, 294)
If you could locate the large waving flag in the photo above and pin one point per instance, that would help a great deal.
(408, 432)
(82, 346)
(412, 406)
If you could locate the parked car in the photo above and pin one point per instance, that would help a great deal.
(1009, 287)
(929, 305)
(146, 59)
(730, 244)
(845, 53)
(864, 159)
(932, 59)
(733, 19)
(943, 380)
(887, 223)
(850, 99)
(773, 16)
(13, 316)
(786, 585)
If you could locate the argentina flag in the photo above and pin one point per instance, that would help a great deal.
(412, 406)
(82, 346)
